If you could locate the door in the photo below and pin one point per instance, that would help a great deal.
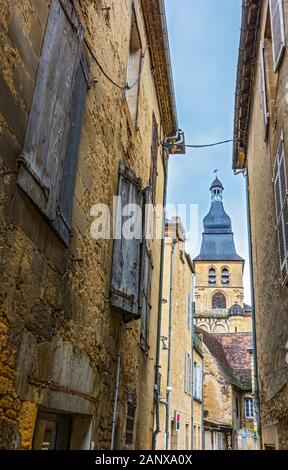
(52, 431)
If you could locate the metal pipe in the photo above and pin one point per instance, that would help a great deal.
(117, 386)
(160, 301)
(256, 385)
(192, 365)
(202, 412)
(168, 391)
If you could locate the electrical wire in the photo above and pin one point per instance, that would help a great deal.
(127, 87)
(120, 87)
(204, 145)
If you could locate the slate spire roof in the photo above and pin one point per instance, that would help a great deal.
(218, 238)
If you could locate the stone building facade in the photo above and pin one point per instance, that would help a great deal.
(181, 409)
(219, 293)
(260, 152)
(70, 139)
(229, 418)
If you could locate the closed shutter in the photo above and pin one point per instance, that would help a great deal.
(194, 379)
(186, 390)
(154, 157)
(198, 382)
(189, 309)
(46, 136)
(146, 274)
(280, 189)
(264, 89)
(278, 30)
(124, 292)
(65, 201)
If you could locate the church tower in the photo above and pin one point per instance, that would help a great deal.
(219, 295)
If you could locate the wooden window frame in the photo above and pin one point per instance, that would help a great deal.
(281, 206)
(266, 114)
(278, 3)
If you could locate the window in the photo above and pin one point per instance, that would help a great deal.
(187, 436)
(130, 423)
(278, 30)
(218, 301)
(146, 269)
(197, 382)
(266, 115)
(212, 276)
(280, 190)
(187, 374)
(133, 69)
(237, 406)
(249, 408)
(225, 276)
(189, 309)
(49, 156)
(124, 291)
(154, 157)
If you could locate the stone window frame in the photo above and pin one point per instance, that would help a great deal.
(210, 268)
(219, 291)
(134, 20)
(229, 275)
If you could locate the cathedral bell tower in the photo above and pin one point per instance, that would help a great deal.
(219, 306)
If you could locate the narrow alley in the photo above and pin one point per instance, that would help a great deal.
(143, 293)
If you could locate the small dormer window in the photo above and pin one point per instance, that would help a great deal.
(212, 276)
(225, 276)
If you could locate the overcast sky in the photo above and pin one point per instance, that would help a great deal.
(204, 40)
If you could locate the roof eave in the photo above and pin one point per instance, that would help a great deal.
(156, 27)
(245, 73)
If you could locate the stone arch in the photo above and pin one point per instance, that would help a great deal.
(219, 328)
(219, 300)
(212, 275)
(225, 275)
(204, 326)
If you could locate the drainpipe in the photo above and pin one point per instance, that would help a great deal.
(165, 153)
(117, 386)
(192, 365)
(256, 385)
(168, 387)
(177, 139)
(202, 412)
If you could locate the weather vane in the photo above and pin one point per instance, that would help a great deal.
(216, 171)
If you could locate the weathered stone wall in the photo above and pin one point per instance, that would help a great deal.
(217, 391)
(181, 344)
(271, 299)
(53, 297)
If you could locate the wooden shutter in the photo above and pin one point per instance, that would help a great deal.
(191, 376)
(198, 382)
(280, 190)
(264, 90)
(194, 379)
(278, 30)
(146, 275)
(47, 129)
(154, 157)
(124, 292)
(65, 201)
(189, 309)
(186, 373)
